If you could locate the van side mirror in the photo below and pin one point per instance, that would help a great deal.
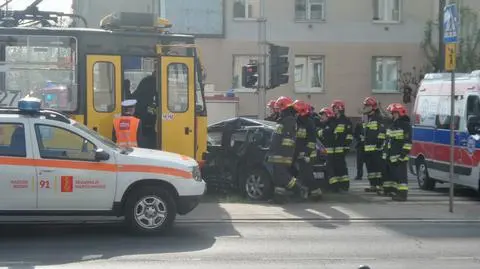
(473, 125)
(101, 155)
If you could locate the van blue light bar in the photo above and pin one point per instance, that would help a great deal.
(29, 104)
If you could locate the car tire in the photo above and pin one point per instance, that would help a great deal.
(150, 210)
(257, 185)
(423, 179)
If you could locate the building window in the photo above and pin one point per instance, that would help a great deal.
(246, 9)
(309, 10)
(386, 10)
(238, 62)
(309, 74)
(385, 74)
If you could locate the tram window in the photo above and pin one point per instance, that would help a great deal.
(104, 87)
(199, 104)
(39, 66)
(177, 87)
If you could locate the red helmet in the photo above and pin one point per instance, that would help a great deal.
(328, 112)
(283, 103)
(397, 108)
(371, 101)
(338, 104)
(301, 107)
(271, 104)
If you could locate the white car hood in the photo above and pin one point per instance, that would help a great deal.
(143, 156)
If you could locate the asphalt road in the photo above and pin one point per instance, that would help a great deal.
(280, 244)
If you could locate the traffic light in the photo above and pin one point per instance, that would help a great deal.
(249, 75)
(278, 65)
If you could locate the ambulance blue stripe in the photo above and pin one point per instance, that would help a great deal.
(439, 136)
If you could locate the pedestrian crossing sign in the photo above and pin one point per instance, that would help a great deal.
(450, 24)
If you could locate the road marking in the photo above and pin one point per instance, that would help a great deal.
(315, 212)
(92, 257)
(348, 212)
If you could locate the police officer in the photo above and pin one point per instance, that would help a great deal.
(374, 134)
(305, 149)
(146, 96)
(282, 148)
(273, 113)
(398, 146)
(343, 140)
(127, 129)
(326, 135)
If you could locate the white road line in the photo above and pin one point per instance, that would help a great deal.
(348, 212)
(92, 257)
(315, 212)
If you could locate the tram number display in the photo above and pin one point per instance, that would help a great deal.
(9, 98)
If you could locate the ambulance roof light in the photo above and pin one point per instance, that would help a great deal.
(29, 104)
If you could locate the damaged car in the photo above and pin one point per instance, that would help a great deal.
(236, 157)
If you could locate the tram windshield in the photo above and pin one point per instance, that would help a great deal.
(39, 66)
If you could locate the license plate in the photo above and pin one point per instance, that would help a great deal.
(317, 175)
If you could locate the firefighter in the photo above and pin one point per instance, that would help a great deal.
(344, 136)
(305, 149)
(146, 108)
(397, 147)
(359, 146)
(282, 148)
(374, 137)
(273, 113)
(127, 129)
(326, 136)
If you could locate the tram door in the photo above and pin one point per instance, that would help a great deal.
(104, 83)
(176, 113)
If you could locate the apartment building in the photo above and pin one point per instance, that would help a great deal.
(339, 49)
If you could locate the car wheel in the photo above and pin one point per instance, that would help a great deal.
(150, 211)
(257, 185)
(424, 181)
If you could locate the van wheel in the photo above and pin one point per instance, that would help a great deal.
(424, 181)
(150, 210)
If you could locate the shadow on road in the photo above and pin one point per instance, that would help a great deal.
(34, 245)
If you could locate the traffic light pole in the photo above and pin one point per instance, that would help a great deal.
(262, 62)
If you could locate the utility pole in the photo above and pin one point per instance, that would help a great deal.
(262, 62)
(441, 44)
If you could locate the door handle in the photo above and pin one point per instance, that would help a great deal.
(187, 130)
(47, 171)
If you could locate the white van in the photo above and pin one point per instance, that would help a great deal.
(430, 154)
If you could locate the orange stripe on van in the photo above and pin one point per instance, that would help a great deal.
(95, 166)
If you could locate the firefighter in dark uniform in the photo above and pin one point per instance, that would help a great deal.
(326, 135)
(282, 148)
(344, 136)
(374, 135)
(397, 148)
(305, 149)
(146, 108)
(273, 113)
(360, 139)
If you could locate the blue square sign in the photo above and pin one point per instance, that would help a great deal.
(450, 24)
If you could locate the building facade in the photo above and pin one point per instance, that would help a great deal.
(339, 49)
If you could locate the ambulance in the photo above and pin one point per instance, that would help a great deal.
(52, 165)
(430, 154)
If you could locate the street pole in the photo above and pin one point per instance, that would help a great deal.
(441, 47)
(452, 141)
(262, 62)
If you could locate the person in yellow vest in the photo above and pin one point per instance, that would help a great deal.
(127, 129)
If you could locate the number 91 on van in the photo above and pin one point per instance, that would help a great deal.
(57, 166)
